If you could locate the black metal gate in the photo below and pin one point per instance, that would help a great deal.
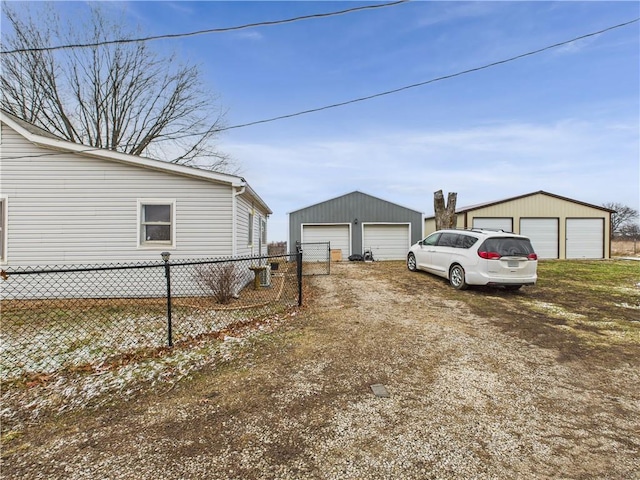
(316, 258)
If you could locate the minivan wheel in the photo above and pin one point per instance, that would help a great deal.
(411, 262)
(456, 278)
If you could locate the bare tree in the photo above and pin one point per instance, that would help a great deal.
(622, 216)
(445, 215)
(121, 97)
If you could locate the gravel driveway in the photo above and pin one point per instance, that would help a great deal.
(467, 399)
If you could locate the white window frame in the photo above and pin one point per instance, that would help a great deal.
(156, 244)
(3, 229)
(250, 221)
(263, 230)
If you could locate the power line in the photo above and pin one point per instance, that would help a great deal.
(204, 32)
(426, 82)
(389, 92)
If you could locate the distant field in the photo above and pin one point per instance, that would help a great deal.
(625, 248)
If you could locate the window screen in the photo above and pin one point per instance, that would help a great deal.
(156, 224)
(3, 228)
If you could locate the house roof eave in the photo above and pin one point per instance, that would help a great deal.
(41, 138)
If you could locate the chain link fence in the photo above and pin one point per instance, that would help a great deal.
(65, 317)
(316, 257)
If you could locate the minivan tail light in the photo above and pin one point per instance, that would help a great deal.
(489, 255)
(532, 256)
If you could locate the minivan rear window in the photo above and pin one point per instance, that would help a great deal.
(507, 246)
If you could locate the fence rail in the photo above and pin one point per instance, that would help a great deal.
(60, 317)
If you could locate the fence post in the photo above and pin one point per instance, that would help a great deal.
(299, 271)
(167, 274)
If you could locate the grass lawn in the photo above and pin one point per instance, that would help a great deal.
(44, 336)
(581, 306)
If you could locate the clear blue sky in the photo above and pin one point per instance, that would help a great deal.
(565, 121)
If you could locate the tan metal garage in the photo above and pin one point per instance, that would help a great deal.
(559, 227)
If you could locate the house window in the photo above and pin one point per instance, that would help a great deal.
(250, 239)
(157, 225)
(263, 231)
(3, 228)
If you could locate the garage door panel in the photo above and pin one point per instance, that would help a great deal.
(387, 241)
(544, 235)
(585, 238)
(337, 235)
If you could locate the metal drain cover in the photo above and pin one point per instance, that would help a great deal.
(380, 390)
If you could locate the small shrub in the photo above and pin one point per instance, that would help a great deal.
(220, 280)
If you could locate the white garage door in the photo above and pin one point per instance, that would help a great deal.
(543, 233)
(495, 223)
(585, 237)
(338, 235)
(386, 241)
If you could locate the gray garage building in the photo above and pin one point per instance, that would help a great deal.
(356, 222)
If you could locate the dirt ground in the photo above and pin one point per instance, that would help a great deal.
(480, 386)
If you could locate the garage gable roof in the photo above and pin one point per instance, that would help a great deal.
(539, 192)
(355, 193)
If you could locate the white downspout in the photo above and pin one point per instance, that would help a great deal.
(234, 220)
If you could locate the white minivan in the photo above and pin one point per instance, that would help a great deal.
(476, 257)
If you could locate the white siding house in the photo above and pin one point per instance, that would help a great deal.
(64, 203)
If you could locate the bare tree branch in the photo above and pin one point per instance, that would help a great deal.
(122, 97)
(623, 216)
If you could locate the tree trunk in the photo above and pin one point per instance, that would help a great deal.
(445, 215)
